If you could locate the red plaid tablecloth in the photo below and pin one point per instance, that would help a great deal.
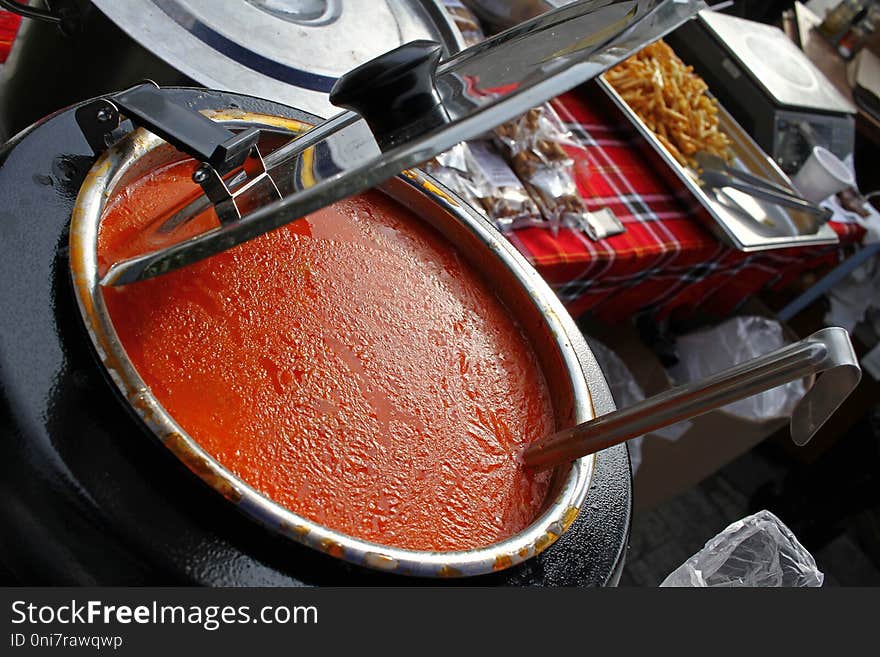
(9, 23)
(667, 261)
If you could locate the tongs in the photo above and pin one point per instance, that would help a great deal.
(403, 108)
(828, 353)
(716, 174)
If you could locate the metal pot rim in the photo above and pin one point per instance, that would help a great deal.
(98, 188)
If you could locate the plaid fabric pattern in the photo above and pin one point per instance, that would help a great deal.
(667, 261)
(9, 23)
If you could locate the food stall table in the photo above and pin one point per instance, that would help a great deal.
(667, 261)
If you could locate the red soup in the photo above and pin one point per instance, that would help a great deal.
(350, 366)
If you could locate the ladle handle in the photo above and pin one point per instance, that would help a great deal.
(829, 351)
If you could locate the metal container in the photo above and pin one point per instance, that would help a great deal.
(530, 300)
(740, 220)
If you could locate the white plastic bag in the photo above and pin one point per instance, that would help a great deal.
(757, 551)
(732, 342)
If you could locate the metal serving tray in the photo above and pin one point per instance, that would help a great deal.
(745, 223)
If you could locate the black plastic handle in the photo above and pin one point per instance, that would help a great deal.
(186, 129)
(395, 92)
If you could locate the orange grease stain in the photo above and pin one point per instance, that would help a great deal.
(349, 366)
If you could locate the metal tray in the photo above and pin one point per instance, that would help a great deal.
(740, 220)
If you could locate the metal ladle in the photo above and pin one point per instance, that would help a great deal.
(828, 351)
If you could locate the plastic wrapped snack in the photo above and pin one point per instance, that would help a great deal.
(481, 177)
(534, 146)
(501, 194)
(453, 169)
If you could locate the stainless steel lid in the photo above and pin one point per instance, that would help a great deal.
(290, 51)
(772, 60)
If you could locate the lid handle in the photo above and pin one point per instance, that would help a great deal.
(189, 131)
(221, 151)
(395, 93)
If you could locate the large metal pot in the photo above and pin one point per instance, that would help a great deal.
(532, 302)
(82, 486)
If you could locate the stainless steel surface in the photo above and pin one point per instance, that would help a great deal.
(714, 179)
(254, 184)
(558, 344)
(481, 87)
(740, 220)
(786, 132)
(776, 63)
(272, 161)
(290, 51)
(706, 160)
(829, 351)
